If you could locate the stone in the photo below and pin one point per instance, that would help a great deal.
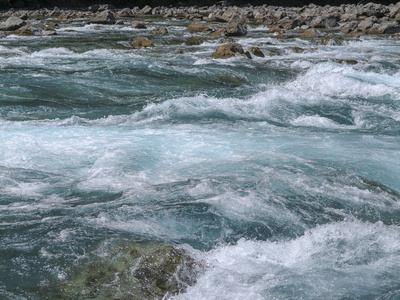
(349, 27)
(133, 271)
(30, 29)
(194, 40)
(105, 17)
(159, 30)
(141, 42)
(216, 33)
(12, 23)
(228, 50)
(366, 24)
(139, 25)
(256, 51)
(198, 27)
(235, 29)
(146, 10)
(48, 32)
(125, 13)
(311, 33)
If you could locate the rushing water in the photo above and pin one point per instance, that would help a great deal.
(280, 173)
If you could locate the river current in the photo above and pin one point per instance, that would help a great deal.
(281, 173)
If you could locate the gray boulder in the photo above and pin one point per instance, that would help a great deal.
(235, 29)
(105, 17)
(12, 23)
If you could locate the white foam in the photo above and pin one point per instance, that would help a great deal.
(349, 258)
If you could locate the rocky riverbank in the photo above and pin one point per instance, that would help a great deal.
(349, 19)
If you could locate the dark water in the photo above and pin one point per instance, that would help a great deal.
(280, 173)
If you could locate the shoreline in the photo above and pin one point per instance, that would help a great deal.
(351, 20)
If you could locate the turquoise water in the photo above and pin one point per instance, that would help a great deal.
(281, 173)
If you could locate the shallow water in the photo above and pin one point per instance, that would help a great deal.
(278, 173)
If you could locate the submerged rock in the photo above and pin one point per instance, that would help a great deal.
(194, 40)
(256, 51)
(159, 30)
(311, 33)
(134, 271)
(141, 42)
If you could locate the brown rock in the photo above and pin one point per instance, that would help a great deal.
(105, 17)
(216, 33)
(256, 51)
(198, 27)
(159, 30)
(311, 33)
(141, 42)
(228, 50)
(12, 23)
(194, 40)
(235, 29)
(139, 25)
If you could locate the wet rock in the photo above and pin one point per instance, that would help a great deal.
(139, 25)
(235, 29)
(216, 33)
(134, 271)
(256, 51)
(106, 17)
(330, 41)
(346, 61)
(374, 9)
(2, 35)
(159, 30)
(30, 30)
(179, 51)
(198, 27)
(49, 32)
(228, 50)
(12, 23)
(389, 27)
(311, 33)
(141, 42)
(194, 40)
(349, 27)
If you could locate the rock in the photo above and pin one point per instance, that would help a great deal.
(141, 42)
(389, 27)
(366, 24)
(99, 7)
(349, 27)
(256, 51)
(311, 33)
(146, 10)
(125, 13)
(330, 41)
(394, 10)
(159, 30)
(194, 40)
(235, 29)
(2, 35)
(374, 9)
(198, 27)
(216, 33)
(49, 32)
(346, 61)
(12, 23)
(106, 17)
(30, 29)
(133, 271)
(139, 25)
(179, 51)
(228, 50)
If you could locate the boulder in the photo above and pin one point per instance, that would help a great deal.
(139, 25)
(198, 27)
(311, 33)
(235, 29)
(146, 10)
(216, 33)
(194, 40)
(366, 24)
(256, 51)
(12, 23)
(105, 17)
(125, 13)
(30, 29)
(133, 271)
(228, 50)
(159, 30)
(141, 42)
(349, 27)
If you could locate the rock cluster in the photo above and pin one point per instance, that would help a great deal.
(133, 271)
